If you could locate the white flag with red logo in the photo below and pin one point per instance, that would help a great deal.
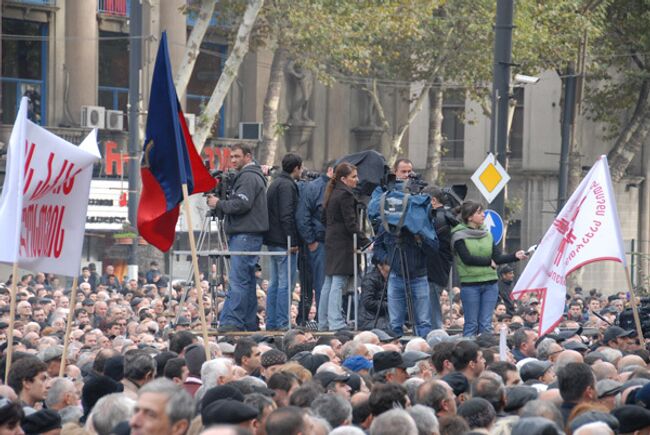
(45, 198)
(586, 230)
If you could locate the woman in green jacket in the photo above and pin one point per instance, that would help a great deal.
(477, 258)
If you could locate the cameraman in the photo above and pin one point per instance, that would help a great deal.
(439, 263)
(312, 231)
(403, 168)
(282, 199)
(246, 218)
(406, 253)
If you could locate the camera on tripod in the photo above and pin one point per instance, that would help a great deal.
(225, 181)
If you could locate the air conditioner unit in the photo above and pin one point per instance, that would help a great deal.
(190, 120)
(114, 120)
(93, 116)
(250, 130)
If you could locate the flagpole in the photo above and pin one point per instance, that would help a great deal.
(635, 309)
(195, 266)
(12, 318)
(68, 326)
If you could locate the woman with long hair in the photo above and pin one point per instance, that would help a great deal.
(341, 223)
(477, 258)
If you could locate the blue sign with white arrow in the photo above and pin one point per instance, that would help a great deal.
(494, 223)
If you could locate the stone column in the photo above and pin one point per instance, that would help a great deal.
(175, 23)
(81, 55)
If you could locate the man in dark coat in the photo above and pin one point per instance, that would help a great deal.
(312, 232)
(282, 201)
(372, 304)
(247, 221)
(506, 281)
(439, 263)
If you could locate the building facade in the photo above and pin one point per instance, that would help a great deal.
(71, 57)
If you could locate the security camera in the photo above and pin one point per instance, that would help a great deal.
(521, 78)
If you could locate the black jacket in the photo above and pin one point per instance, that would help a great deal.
(372, 287)
(341, 223)
(246, 210)
(439, 262)
(282, 200)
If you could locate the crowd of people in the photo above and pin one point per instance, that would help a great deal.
(137, 363)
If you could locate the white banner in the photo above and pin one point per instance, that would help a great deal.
(586, 230)
(45, 197)
(108, 205)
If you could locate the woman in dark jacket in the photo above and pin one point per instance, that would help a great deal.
(341, 223)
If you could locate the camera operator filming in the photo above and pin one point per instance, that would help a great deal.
(246, 219)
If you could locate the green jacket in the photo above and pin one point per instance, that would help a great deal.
(479, 247)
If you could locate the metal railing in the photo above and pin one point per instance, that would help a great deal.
(118, 8)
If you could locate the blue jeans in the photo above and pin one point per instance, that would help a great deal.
(317, 263)
(330, 314)
(240, 308)
(479, 302)
(436, 310)
(397, 307)
(277, 297)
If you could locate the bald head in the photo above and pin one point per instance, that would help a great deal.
(566, 357)
(604, 370)
(630, 360)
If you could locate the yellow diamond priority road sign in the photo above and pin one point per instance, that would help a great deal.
(490, 178)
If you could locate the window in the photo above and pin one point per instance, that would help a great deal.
(204, 78)
(114, 72)
(453, 126)
(24, 67)
(516, 142)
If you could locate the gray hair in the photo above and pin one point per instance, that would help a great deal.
(332, 408)
(350, 348)
(596, 427)
(180, 405)
(416, 344)
(347, 430)
(58, 388)
(137, 364)
(611, 355)
(544, 347)
(214, 369)
(321, 423)
(393, 422)
(543, 408)
(71, 414)
(425, 419)
(412, 385)
(109, 411)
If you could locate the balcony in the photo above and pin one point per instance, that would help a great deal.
(116, 8)
(35, 2)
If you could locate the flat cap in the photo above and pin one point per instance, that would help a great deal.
(608, 387)
(631, 418)
(614, 332)
(273, 357)
(41, 421)
(458, 382)
(517, 396)
(534, 369)
(592, 417)
(227, 411)
(356, 363)
(325, 378)
(50, 353)
(389, 360)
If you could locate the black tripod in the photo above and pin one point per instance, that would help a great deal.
(403, 263)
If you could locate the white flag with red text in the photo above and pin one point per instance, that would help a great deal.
(586, 230)
(45, 198)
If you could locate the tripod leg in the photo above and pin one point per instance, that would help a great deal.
(384, 292)
(407, 291)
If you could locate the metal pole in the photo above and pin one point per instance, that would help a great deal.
(354, 283)
(135, 66)
(568, 118)
(289, 284)
(501, 86)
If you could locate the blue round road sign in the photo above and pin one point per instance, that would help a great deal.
(494, 223)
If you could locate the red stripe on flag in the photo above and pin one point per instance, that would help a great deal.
(203, 181)
(155, 224)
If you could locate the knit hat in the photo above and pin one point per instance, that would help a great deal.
(273, 357)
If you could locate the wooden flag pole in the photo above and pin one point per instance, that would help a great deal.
(195, 266)
(635, 309)
(68, 326)
(12, 319)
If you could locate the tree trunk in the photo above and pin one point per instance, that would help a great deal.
(629, 142)
(396, 149)
(434, 149)
(271, 105)
(228, 75)
(193, 46)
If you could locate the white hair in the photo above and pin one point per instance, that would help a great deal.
(321, 349)
(595, 428)
(347, 430)
(374, 348)
(214, 369)
(366, 337)
(109, 411)
(330, 367)
(58, 388)
(417, 344)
